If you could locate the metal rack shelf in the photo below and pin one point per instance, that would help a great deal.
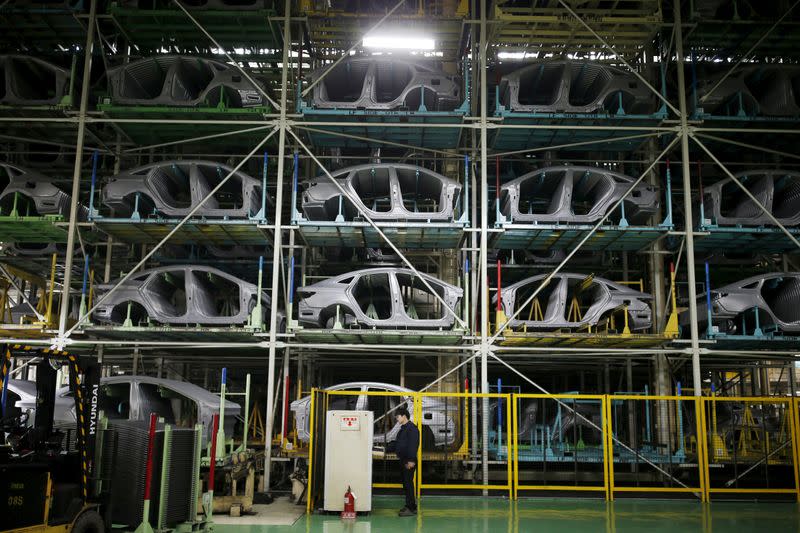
(612, 133)
(628, 28)
(363, 235)
(40, 28)
(565, 236)
(760, 239)
(195, 231)
(765, 342)
(583, 339)
(34, 229)
(154, 29)
(378, 336)
(327, 127)
(168, 333)
(145, 125)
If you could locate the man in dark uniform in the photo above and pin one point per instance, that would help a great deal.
(406, 446)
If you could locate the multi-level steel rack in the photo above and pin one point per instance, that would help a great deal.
(674, 148)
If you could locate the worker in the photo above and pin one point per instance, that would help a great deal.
(406, 446)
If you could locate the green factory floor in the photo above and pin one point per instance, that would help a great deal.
(472, 515)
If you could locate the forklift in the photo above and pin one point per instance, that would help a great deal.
(50, 482)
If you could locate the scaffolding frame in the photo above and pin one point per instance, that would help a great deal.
(479, 125)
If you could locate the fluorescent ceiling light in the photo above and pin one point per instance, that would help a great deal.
(399, 42)
(512, 55)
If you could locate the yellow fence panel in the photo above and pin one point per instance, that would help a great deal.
(752, 446)
(560, 444)
(452, 446)
(608, 445)
(654, 445)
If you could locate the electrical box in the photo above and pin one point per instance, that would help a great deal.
(348, 459)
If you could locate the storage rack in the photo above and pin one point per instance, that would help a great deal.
(286, 40)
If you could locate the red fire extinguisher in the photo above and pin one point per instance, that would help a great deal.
(349, 504)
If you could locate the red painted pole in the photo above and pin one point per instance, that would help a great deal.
(148, 477)
(499, 286)
(213, 462)
(286, 384)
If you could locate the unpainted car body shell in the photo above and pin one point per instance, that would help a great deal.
(559, 187)
(183, 81)
(384, 84)
(608, 296)
(777, 190)
(32, 81)
(48, 199)
(137, 289)
(159, 181)
(318, 302)
(769, 90)
(322, 200)
(776, 296)
(573, 87)
(64, 414)
(435, 415)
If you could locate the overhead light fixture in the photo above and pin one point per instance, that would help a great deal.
(512, 55)
(399, 42)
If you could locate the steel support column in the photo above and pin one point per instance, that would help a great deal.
(687, 204)
(277, 256)
(76, 172)
(484, 270)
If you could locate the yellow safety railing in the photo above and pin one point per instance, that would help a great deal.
(603, 444)
(653, 445)
(751, 445)
(544, 447)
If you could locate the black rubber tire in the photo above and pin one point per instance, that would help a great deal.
(88, 522)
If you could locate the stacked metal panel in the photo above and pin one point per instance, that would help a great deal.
(128, 479)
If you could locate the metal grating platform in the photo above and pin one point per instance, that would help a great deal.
(544, 135)
(565, 237)
(32, 229)
(378, 336)
(195, 231)
(766, 342)
(582, 339)
(152, 29)
(181, 123)
(392, 126)
(24, 331)
(546, 27)
(744, 239)
(40, 28)
(168, 333)
(363, 235)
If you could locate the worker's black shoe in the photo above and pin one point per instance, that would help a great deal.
(407, 512)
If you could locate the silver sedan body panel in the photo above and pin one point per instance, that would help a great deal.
(435, 412)
(596, 298)
(386, 191)
(174, 188)
(137, 405)
(27, 80)
(47, 199)
(770, 90)
(776, 296)
(182, 81)
(574, 194)
(384, 84)
(378, 298)
(190, 294)
(778, 190)
(574, 87)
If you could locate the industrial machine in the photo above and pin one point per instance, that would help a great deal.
(348, 459)
(48, 484)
